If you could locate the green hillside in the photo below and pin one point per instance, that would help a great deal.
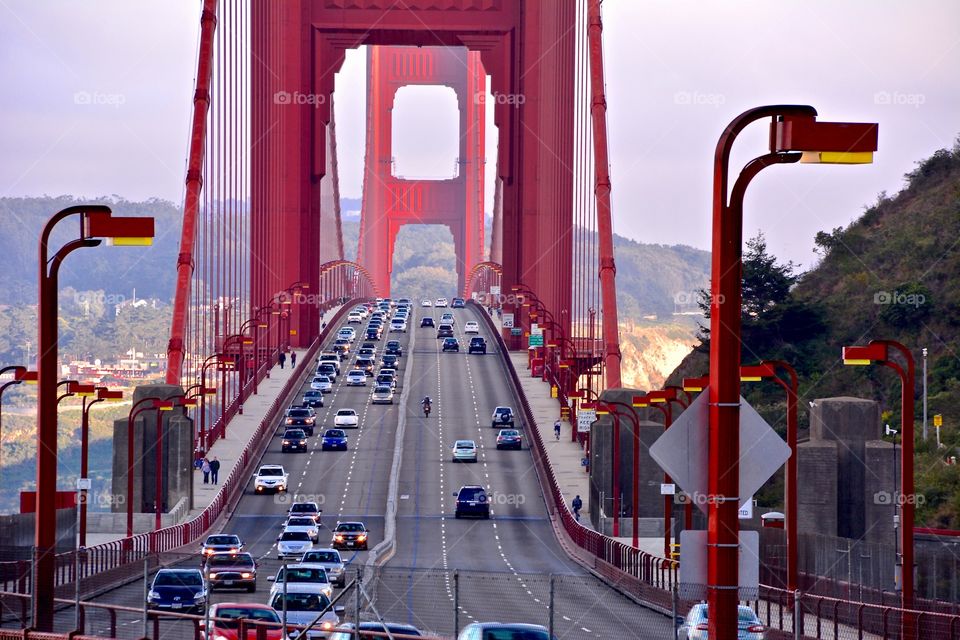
(894, 273)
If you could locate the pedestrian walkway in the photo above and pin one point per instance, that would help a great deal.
(238, 433)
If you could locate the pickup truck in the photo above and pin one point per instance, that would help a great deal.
(270, 477)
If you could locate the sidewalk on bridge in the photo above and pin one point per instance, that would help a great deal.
(238, 433)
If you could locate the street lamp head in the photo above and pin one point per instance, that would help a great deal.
(640, 401)
(861, 356)
(106, 394)
(824, 142)
(756, 373)
(83, 390)
(694, 385)
(118, 230)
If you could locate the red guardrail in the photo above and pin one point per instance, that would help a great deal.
(112, 561)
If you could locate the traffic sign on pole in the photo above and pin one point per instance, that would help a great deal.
(507, 320)
(585, 418)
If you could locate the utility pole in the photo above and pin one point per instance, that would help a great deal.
(924, 352)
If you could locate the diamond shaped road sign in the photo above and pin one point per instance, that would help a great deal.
(682, 451)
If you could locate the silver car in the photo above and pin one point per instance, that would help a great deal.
(356, 378)
(465, 451)
(330, 560)
(382, 395)
(304, 602)
(293, 544)
(694, 626)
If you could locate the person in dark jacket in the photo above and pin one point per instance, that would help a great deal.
(283, 359)
(293, 359)
(577, 504)
(215, 470)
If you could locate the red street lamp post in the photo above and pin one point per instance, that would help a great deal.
(879, 352)
(768, 369)
(795, 135)
(615, 484)
(635, 482)
(96, 223)
(103, 394)
(20, 375)
(164, 405)
(143, 404)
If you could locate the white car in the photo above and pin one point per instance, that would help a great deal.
(382, 395)
(426, 303)
(270, 477)
(354, 318)
(448, 318)
(304, 604)
(471, 327)
(356, 378)
(302, 523)
(331, 357)
(363, 311)
(346, 418)
(293, 544)
(465, 451)
(302, 573)
(441, 302)
(347, 333)
(321, 384)
(398, 325)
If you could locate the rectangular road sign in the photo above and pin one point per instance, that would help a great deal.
(693, 565)
(536, 340)
(682, 451)
(507, 320)
(516, 331)
(585, 418)
(667, 489)
(938, 420)
(495, 289)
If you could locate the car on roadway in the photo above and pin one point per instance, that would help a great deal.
(270, 477)
(450, 344)
(426, 321)
(302, 523)
(346, 631)
(231, 571)
(334, 440)
(342, 347)
(389, 360)
(448, 318)
(372, 333)
(498, 630)
(357, 378)
(509, 439)
(471, 326)
(350, 535)
(366, 365)
(502, 417)
(386, 379)
(330, 560)
(477, 345)
(303, 605)
(307, 509)
(387, 371)
(445, 331)
(293, 440)
(472, 501)
(398, 325)
(394, 348)
(346, 418)
(441, 302)
(367, 352)
(300, 573)
(312, 398)
(464, 451)
(300, 418)
(426, 303)
(458, 303)
(218, 542)
(327, 369)
(382, 395)
(330, 356)
(225, 620)
(347, 333)
(180, 590)
(322, 384)
(354, 318)
(694, 626)
(293, 544)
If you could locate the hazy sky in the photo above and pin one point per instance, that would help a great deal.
(96, 96)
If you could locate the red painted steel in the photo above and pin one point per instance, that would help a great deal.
(389, 201)
(194, 182)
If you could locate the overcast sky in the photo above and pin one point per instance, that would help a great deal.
(96, 95)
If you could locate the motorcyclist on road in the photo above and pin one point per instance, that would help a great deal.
(426, 405)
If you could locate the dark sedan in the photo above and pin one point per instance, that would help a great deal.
(312, 399)
(451, 344)
(509, 439)
(334, 440)
(301, 418)
(350, 535)
(294, 440)
(232, 570)
(179, 590)
(394, 348)
(426, 322)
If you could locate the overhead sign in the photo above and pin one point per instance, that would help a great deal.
(585, 418)
(507, 321)
(682, 451)
(693, 565)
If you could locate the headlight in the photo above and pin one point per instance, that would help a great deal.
(286, 442)
(326, 626)
(338, 538)
(310, 420)
(289, 420)
(212, 575)
(208, 551)
(200, 596)
(246, 575)
(152, 595)
(362, 537)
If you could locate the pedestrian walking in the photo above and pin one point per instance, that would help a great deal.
(215, 470)
(283, 359)
(577, 504)
(205, 468)
(293, 359)
(556, 429)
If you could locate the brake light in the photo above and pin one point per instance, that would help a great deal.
(755, 628)
(703, 626)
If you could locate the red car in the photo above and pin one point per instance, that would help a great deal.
(227, 617)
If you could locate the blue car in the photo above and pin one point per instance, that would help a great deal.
(179, 590)
(334, 440)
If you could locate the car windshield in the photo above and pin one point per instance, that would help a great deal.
(230, 560)
(503, 410)
(346, 412)
(233, 612)
(301, 601)
(178, 579)
(350, 526)
(334, 433)
(223, 540)
(515, 634)
(321, 379)
(301, 522)
(271, 471)
(465, 444)
(382, 390)
(298, 413)
(311, 394)
(303, 574)
(304, 508)
(321, 556)
(508, 432)
(471, 494)
(294, 433)
(294, 536)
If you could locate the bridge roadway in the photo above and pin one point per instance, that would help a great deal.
(504, 563)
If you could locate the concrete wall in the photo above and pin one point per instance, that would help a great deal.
(17, 529)
(881, 483)
(817, 487)
(178, 436)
